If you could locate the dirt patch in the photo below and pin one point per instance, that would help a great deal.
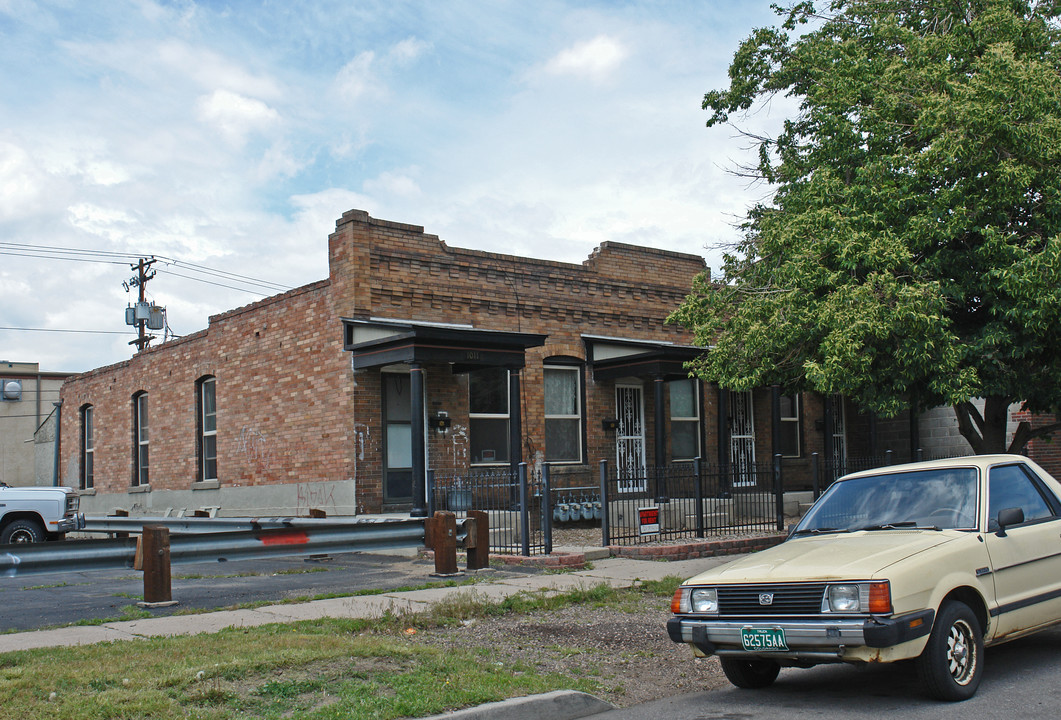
(627, 650)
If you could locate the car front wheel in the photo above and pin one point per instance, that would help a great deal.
(22, 531)
(750, 674)
(952, 663)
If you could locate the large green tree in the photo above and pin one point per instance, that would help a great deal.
(909, 255)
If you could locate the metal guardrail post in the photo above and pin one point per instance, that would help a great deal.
(441, 529)
(605, 525)
(698, 478)
(524, 512)
(888, 458)
(547, 509)
(779, 493)
(477, 539)
(154, 544)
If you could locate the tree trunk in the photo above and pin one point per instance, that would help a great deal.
(985, 432)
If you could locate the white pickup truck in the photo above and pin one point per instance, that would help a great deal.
(35, 514)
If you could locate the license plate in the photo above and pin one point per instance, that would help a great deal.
(763, 639)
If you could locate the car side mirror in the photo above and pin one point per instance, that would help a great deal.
(1007, 517)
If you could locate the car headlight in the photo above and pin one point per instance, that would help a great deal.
(844, 598)
(865, 597)
(695, 600)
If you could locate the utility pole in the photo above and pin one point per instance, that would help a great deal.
(140, 282)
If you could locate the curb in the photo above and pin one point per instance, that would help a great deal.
(556, 705)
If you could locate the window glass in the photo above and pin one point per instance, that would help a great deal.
(87, 447)
(488, 426)
(563, 416)
(684, 419)
(1011, 486)
(208, 429)
(140, 471)
(488, 391)
(790, 426)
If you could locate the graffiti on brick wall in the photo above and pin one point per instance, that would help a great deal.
(316, 496)
(458, 444)
(362, 434)
(254, 444)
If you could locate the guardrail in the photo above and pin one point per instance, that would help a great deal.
(187, 525)
(155, 550)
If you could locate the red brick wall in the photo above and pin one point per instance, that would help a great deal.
(283, 400)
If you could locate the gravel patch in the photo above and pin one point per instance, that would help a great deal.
(626, 649)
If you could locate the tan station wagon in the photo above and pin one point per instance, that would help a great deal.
(930, 560)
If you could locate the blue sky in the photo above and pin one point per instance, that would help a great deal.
(233, 135)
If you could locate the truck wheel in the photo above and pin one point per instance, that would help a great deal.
(22, 531)
(952, 663)
(750, 674)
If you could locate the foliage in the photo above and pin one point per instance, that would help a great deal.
(910, 255)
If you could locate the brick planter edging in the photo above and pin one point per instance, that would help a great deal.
(683, 551)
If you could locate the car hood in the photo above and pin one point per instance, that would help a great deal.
(857, 555)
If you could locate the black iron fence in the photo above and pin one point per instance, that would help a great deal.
(690, 500)
(517, 505)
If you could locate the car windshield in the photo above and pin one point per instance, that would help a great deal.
(942, 498)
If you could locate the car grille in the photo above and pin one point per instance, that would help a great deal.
(787, 599)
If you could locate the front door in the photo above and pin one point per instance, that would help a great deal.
(630, 438)
(397, 438)
(742, 438)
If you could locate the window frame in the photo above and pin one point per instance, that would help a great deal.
(506, 416)
(141, 441)
(202, 433)
(695, 420)
(87, 474)
(558, 365)
(796, 421)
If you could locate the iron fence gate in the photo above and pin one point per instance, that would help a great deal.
(517, 505)
(691, 500)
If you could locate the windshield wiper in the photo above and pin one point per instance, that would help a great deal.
(898, 525)
(821, 531)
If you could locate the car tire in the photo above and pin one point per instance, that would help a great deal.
(750, 674)
(952, 663)
(22, 531)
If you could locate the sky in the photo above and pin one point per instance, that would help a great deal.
(225, 140)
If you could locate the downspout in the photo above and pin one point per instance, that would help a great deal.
(58, 435)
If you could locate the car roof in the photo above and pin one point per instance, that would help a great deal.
(978, 461)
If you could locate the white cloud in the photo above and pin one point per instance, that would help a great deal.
(22, 182)
(355, 78)
(394, 183)
(596, 59)
(235, 116)
(408, 51)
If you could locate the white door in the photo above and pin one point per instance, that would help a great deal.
(630, 438)
(742, 438)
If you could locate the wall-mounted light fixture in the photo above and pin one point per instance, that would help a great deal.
(441, 422)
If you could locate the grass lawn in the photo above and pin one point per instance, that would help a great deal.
(315, 669)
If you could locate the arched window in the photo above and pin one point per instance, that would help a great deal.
(140, 440)
(206, 426)
(88, 446)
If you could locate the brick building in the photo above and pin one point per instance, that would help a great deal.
(414, 355)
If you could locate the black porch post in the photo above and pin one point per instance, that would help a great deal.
(515, 414)
(724, 445)
(775, 424)
(416, 405)
(660, 441)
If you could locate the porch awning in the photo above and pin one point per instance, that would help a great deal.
(614, 358)
(378, 342)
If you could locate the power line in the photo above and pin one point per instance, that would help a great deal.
(57, 330)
